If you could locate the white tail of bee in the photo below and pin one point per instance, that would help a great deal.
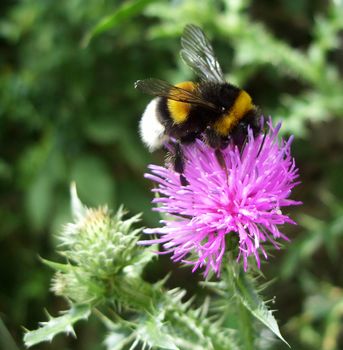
(151, 130)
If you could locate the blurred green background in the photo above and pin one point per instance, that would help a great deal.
(68, 111)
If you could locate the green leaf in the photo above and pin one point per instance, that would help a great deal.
(117, 340)
(246, 330)
(152, 334)
(56, 266)
(126, 11)
(249, 297)
(56, 325)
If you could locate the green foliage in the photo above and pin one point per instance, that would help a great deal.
(103, 269)
(248, 307)
(245, 291)
(320, 324)
(319, 235)
(100, 248)
(69, 112)
(6, 340)
(125, 12)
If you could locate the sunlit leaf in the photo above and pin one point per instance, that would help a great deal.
(153, 335)
(126, 11)
(117, 340)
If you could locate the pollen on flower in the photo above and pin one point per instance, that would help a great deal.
(97, 219)
(240, 202)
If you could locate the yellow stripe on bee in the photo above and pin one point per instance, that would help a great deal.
(179, 110)
(241, 106)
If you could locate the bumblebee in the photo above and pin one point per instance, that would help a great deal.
(211, 109)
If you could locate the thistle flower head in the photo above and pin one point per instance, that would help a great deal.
(101, 250)
(99, 241)
(239, 203)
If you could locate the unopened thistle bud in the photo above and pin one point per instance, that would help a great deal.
(101, 248)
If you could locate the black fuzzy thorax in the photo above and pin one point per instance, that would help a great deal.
(221, 95)
(201, 119)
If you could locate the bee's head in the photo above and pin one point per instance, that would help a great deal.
(251, 120)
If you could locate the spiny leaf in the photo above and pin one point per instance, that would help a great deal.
(152, 333)
(117, 340)
(126, 11)
(56, 325)
(247, 294)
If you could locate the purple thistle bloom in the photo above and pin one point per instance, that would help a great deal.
(243, 200)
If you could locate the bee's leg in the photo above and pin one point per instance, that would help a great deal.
(220, 158)
(218, 143)
(178, 162)
(178, 158)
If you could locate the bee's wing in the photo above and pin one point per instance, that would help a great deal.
(157, 87)
(198, 54)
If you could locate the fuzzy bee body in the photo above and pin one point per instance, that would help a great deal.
(211, 109)
(184, 121)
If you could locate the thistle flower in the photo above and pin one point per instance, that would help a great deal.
(239, 203)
